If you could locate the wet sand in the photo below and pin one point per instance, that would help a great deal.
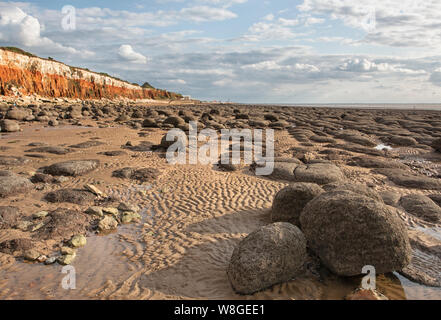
(193, 216)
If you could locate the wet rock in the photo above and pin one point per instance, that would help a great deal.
(422, 207)
(87, 144)
(319, 173)
(76, 196)
(142, 175)
(72, 168)
(9, 126)
(78, 241)
(273, 254)
(51, 149)
(290, 201)
(409, 179)
(349, 231)
(9, 216)
(95, 211)
(107, 223)
(63, 224)
(12, 184)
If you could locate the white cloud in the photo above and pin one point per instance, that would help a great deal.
(365, 65)
(126, 52)
(401, 23)
(20, 29)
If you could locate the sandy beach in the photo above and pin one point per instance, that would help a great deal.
(190, 218)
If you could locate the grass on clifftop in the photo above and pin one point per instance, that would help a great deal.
(18, 50)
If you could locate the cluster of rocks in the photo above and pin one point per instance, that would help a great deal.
(67, 227)
(108, 218)
(347, 227)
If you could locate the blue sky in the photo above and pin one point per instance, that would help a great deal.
(306, 51)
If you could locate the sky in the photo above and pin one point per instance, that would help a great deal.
(250, 51)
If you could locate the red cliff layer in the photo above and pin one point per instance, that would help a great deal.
(24, 75)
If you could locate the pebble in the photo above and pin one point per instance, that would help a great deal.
(40, 214)
(78, 241)
(96, 211)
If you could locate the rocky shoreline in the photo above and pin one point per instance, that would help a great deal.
(349, 187)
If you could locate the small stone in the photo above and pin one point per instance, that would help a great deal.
(40, 214)
(109, 210)
(107, 223)
(95, 211)
(78, 241)
(123, 206)
(66, 259)
(31, 255)
(67, 250)
(50, 260)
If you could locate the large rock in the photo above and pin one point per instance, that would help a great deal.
(140, 174)
(71, 196)
(290, 201)
(349, 231)
(9, 126)
(273, 254)
(72, 168)
(9, 216)
(409, 179)
(320, 173)
(11, 184)
(422, 207)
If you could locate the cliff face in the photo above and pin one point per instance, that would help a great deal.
(21, 74)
